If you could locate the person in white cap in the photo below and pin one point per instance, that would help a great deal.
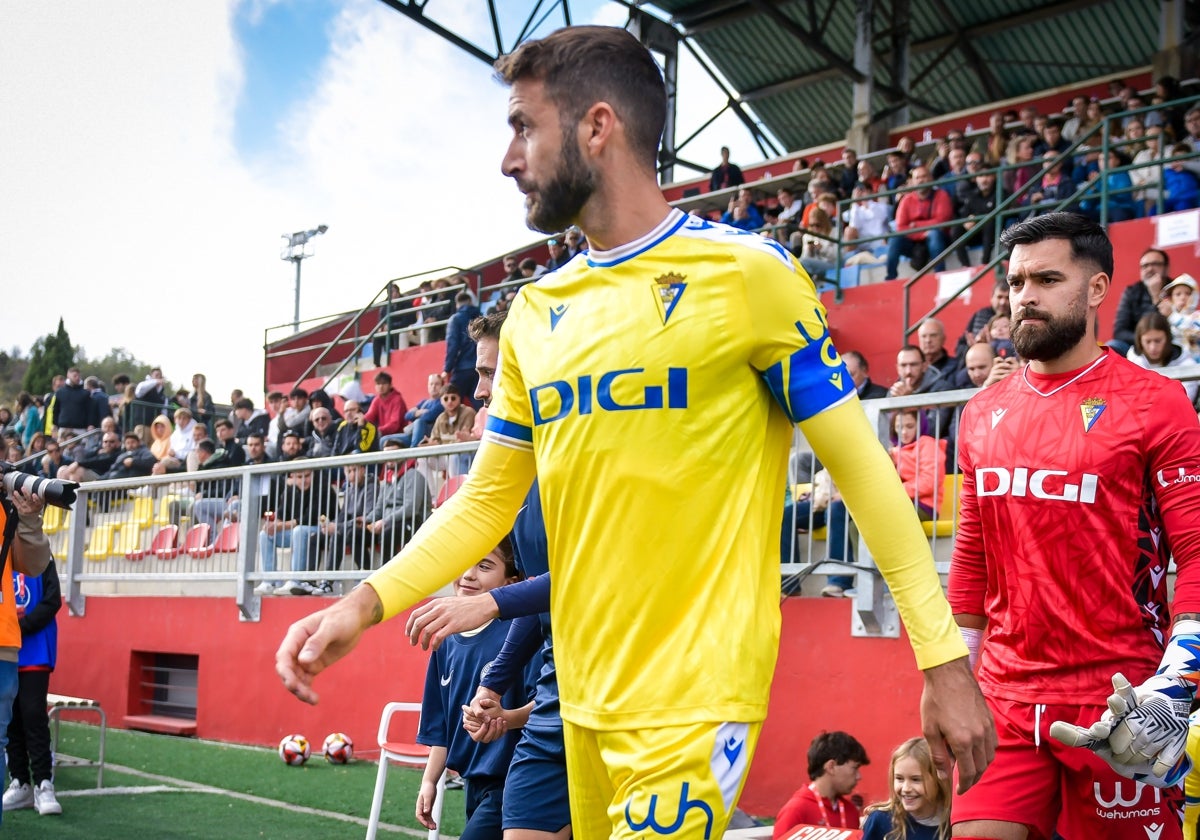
(1185, 321)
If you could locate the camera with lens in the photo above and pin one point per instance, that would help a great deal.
(50, 490)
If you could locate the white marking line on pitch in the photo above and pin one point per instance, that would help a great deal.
(176, 785)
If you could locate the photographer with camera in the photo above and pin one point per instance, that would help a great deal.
(24, 549)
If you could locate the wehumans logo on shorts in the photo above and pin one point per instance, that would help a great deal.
(1040, 484)
(651, 822)
(1126, 795)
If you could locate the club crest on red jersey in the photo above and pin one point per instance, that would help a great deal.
(668, 289)
(1091, 410)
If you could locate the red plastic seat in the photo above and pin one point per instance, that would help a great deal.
(225, 543)
(449, 489)
(164, 541)
(196, 540)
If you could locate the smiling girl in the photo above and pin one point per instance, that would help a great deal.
(919, 807)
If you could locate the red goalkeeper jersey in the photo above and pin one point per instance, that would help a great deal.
(1077, 490)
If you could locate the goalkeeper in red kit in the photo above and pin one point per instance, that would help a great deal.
(1081, 479)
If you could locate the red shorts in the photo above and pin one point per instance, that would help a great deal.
(1047, 786)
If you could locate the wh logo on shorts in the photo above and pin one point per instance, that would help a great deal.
(685, 805)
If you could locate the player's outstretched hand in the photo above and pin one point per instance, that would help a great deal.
(1142, 736)
(956, 723)
(315, 642)
(431, 624)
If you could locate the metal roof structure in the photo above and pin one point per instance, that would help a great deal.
(791, 69)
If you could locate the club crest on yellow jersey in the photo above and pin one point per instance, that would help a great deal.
(668, 289)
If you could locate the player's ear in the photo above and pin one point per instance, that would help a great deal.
(1098, 285)
(597, 127)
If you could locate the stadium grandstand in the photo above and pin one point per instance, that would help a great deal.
(167, 575)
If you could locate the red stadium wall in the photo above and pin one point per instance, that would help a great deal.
(824, 680)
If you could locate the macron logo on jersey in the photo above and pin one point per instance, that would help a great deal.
(1050, 485)
(556, 313)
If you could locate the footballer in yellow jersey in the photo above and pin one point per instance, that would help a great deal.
(652, 386)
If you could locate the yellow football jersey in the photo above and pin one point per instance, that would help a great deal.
(653, 388)
(649, 382)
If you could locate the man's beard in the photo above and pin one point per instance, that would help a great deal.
(1050, 336)
(560, 200)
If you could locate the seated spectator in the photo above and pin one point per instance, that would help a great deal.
(421, 418)
(925, 205)
(1087, 165)
(1183, 317)
(826, 201)
(920, 460)
(919, 805)
(558, 254)
(907, 147)
(742, 213)
(530, 269)
(999, 334)
(355, 433)
(459, 366)
(388, 408)
(321, 399)
(726, 174)
(199, 433)
(294, 416)
(135, 461)
(575, 241)
(1135, 137)
(160, 437)
(322, 441)
(818, 253)
(92, 465)
(1120, 204)
(250, 420)
(860, 372)
(979, 358)
(1052, 140)
(53, 460)
(847, 177)
(931, 338)
(913, 373)
(1146, 176)
(1077, 118)
(1020, 158)
(1056, 186)
(276, 403)
(978, 324)
(291, 446)
(1181, 186)
(235, 454)
(343, 533)
(1154, 350)
(183, 439)
(295, 524)
(868, 177)
(867, 218)
(1139, 298)
(395, 319)
(995, 145)
(946, 162)
(401, 505)
(789, 212)
(834, 762)
(456, 415)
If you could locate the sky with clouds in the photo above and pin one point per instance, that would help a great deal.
(154, 152)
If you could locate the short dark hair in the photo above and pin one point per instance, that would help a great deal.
(207, 445)
(583, 65)
(222, 422)
(462, 297)
(1089, 242)
(859, 358)
(383, 376)
(253, 435)
(134, 435)
(120, 380)
(486, 326)
(1165, 256)
(912, 348)
(244, 402)
(298, 392)
(839, 746)
(451, 391)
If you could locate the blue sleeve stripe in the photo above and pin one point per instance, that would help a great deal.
(508, 429)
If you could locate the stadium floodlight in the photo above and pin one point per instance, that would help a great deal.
(299, 248)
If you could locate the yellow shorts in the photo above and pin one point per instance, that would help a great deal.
(676, 781)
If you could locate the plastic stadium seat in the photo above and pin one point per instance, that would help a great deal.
(54, 519)
(196, 541)
(943, 524)
(100, 543)
(129, 539)
(449, 489)
(164, 541)
(143, 511)
(164, 509)
(225, 543)
(410, 754)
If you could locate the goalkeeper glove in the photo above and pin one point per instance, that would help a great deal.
(1143, 735)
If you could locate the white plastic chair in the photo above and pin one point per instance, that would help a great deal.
(406, 753)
